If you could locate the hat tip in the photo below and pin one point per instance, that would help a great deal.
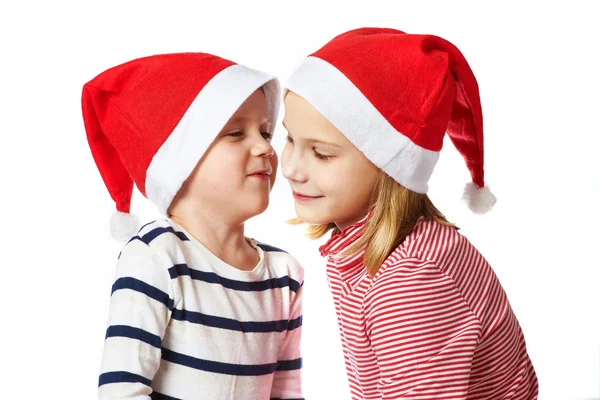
(123, 226)
(479, 199)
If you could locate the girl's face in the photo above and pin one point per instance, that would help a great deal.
(235, 176)
(331, 179)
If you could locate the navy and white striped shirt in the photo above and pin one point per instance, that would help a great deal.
(185, 325)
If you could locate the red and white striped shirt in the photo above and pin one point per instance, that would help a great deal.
(433, 323)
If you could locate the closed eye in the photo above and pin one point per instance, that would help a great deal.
(321, 156)
(267, 135)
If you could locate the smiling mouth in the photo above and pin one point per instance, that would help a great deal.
(300, 196)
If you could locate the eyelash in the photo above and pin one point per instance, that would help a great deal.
(315, 152)
(265, 135)
(321, 156)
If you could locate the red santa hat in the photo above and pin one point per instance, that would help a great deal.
(395, 96)
(150, 120)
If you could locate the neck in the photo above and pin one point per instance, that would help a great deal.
(225, 239)
(341, 225)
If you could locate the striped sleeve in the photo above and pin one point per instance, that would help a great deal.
(140, 307)
(422, 331)
(287, 380)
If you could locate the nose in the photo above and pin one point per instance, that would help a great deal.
(292, 165)
(262, 148)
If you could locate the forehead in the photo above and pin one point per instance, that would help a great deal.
(304, 122)
(252, 107)
(250, 119)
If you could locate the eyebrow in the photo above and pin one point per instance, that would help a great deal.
(242, 119)
(312, 140)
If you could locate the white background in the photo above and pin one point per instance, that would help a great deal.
(538, 70)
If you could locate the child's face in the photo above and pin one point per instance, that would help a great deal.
(331, 179)
(235, 176)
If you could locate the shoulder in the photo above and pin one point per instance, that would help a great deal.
(282, 262)
(431, 246)
(436, 260)
(160, 237)
(160, 231)
(416, 261)
(405, 273)
(271, 249)
(144, 265)
(432, 241)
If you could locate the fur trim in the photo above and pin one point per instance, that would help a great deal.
(479, 200)
(123, 226)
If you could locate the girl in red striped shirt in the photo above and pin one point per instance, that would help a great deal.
(421, 313)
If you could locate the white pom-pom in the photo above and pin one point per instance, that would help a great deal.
(123, 226)
(479, 200)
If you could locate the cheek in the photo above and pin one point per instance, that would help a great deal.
(334, 181)
(285, 154)
(274, 161)
(345, 183)
(225, 166)
(200, 179)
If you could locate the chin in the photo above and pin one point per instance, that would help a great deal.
(312, 217)
(255, 208)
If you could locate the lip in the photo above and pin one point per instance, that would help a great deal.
(261, 174)
(303, 197)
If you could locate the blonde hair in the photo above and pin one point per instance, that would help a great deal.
(396, 211)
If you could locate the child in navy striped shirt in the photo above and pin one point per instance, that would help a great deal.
(198, 310)
(421, 313)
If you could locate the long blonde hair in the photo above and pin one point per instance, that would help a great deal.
(396, 211)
